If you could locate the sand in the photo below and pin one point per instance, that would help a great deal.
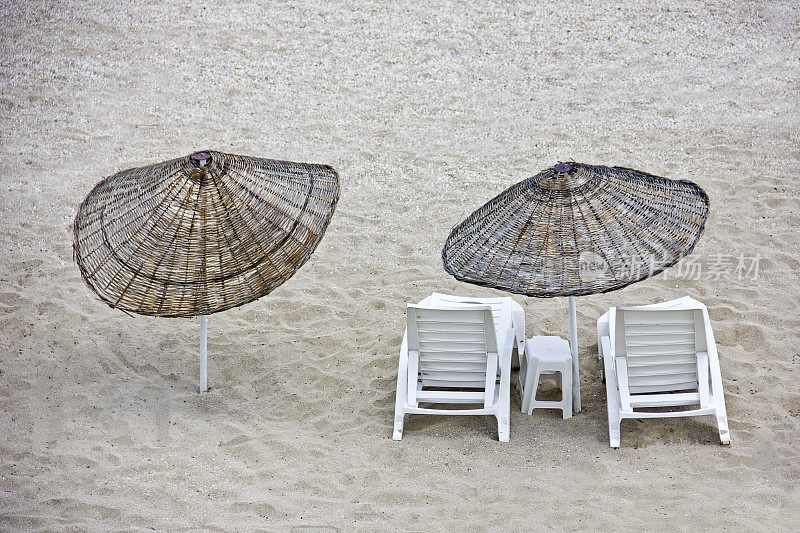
(427, 110)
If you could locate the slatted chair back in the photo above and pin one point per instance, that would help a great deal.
(452, 347)
(501, 312)
(662, 349)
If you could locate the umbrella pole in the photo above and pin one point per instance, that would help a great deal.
(203, 354)
(573, 348)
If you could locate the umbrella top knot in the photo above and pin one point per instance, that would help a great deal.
(563, 177)
(202, 163)
(201, 159)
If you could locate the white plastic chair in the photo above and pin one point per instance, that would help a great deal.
(451, 355)
(506, 313)
(660, 355)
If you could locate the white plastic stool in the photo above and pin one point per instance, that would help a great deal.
(546, 357)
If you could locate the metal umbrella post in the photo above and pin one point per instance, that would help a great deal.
(573, 348)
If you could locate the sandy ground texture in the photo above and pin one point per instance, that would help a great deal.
(427, 109)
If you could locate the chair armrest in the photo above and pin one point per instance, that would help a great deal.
(713, 360)
(428, 300)
(616, 376)
(508, 347)
(404, 347)
(518, 322)
(402, 376)
(605, 348)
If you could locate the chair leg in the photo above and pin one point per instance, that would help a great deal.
(503, 419)
(398, 426)
(613, 403)
(531, 384)
(566, 395)
(722, 424)
(613, 431)
(401, 396)
(504, 403)
(503, 427)
(521, 375)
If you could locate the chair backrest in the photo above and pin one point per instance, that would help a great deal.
(661, 348)
(501, 310)
(454, 346)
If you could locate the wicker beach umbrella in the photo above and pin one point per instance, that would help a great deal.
(577, 229)
(201, 234)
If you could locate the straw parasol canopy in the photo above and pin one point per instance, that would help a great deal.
(202, 233)
(577, 229)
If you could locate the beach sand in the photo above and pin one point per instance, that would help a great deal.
(427, 110)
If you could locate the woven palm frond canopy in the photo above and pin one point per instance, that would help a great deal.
(202, 233)
(577, 229)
